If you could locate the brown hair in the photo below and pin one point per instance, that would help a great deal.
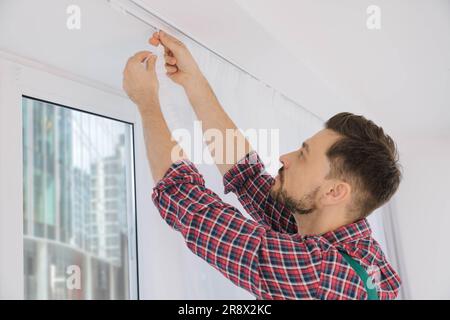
(366, 158)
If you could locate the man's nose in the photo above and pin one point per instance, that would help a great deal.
(284, 161)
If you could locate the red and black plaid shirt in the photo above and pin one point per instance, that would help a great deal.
(266, 256)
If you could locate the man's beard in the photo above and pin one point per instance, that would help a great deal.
(305, 205)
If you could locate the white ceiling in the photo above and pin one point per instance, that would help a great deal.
(319, 53)
(399, 74)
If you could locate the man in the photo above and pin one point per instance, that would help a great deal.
(309, 238)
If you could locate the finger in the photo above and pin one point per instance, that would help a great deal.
(167, 51)
(170, 59)
(140, 56)
(154, 40)
(151, 62)
(169, 42)
(170, 68)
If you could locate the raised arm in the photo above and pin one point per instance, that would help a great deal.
(247, 180)
(141, 84)
(183, 70)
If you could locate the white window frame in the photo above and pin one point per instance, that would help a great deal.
(18, 77)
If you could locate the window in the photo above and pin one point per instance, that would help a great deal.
(73, 247)
(111, 205)
(111, 193)
(110, 217)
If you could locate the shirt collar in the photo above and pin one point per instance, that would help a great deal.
(350, 232)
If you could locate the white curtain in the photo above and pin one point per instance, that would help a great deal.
(251, 104)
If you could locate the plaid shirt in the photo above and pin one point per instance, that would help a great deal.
(266, 256)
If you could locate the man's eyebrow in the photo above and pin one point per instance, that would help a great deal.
(306, 146)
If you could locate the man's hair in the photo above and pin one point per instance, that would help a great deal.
(366, 158)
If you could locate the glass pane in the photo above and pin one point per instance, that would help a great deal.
(78, 205)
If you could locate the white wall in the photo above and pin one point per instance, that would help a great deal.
(422, 213)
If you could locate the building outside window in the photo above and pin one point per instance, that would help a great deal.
(77, 169)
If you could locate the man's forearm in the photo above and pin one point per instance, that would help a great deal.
(209, 111)
(162, 151)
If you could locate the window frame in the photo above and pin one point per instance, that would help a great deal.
(21, 77)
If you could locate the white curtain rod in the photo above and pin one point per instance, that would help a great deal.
(123, 7)
(133, 8)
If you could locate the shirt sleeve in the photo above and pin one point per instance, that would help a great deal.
(251, 183)
(252, 256)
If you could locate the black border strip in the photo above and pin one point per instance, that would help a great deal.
(76, 109)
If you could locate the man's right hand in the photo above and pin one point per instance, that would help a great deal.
(182, 69)
(180, 65)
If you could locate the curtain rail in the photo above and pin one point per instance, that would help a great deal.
(140, 6)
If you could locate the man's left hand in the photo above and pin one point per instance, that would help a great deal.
(140, 81)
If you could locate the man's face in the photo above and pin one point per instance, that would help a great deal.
(300, 182)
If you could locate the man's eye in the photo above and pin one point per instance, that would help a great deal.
(301, 153)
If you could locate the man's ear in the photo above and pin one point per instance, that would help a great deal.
(336, 192)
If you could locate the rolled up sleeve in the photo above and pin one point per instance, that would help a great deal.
(251, 183)
(252, 256)
(215, 231)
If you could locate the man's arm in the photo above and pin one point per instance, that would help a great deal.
(141, 84)
(248, 179)
(183, 70)
(269, 264)
(212, 115)
(158, 141)
(251, 184)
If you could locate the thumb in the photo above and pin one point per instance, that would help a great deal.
(151, 61)
(170, 42)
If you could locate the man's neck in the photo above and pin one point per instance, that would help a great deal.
(316, 223)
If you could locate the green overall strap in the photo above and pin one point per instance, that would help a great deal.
(372, 293)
